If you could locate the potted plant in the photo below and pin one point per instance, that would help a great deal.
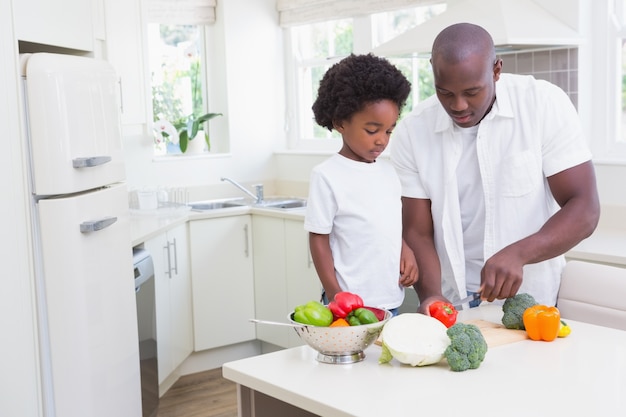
(184, 130)
(188, 129)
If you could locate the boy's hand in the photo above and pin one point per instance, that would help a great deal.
(408, 266)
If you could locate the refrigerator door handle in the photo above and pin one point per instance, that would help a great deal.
(92, 161)
(95, 225)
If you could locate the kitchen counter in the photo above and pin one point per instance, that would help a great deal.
(604, 245)
(583, 374)
(607, 244)
(145, 225)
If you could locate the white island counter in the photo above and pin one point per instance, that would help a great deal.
(583, 374)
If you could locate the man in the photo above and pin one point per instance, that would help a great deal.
(497, 179)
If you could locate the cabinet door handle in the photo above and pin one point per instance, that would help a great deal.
(169, 259)
(246, 249)
(175, 257)
(91, 161)
(121, 95)
(95, 225)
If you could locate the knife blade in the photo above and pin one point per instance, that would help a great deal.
(467, 299)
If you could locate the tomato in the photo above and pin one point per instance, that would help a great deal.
(444, 312)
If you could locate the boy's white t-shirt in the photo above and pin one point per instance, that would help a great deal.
(359, 205)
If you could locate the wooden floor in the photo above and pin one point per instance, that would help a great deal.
(205, 394)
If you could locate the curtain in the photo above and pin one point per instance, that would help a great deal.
(297, 12)
(187, 12)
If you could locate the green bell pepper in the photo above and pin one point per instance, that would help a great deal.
(362, 316)
(313, 313)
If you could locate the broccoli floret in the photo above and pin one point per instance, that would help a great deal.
(467, 347)
(513, 309)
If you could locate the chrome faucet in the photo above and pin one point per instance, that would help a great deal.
(258, 198)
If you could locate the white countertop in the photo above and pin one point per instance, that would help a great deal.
(583, 374)
(604, 245)
(146, 225)
(607, 244)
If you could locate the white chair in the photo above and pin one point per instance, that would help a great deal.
(593, 293)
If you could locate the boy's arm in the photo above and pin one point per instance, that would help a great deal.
(324, 263)
(408, 266)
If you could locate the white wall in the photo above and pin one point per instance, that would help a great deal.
(18, 356)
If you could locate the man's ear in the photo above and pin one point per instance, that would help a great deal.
(497, 69)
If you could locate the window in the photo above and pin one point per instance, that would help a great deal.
(317, 46)
(605, 109)
(177, 81)
(177, 36)
(621, 12)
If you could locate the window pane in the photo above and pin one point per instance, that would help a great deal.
(322, 40)
(417, 69)
(388, 25)
(316, 48)
(622, 137)
(177, 77)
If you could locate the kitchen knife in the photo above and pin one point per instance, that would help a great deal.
(467, 299)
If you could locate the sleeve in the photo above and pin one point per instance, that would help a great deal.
(404, 160)
(564, 144)
(321, 205)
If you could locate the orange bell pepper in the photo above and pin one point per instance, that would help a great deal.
(542, 322)
(339, 323)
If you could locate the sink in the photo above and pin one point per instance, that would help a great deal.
(217, 204)
(282, 203)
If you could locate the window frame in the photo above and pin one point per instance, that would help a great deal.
(601, 113)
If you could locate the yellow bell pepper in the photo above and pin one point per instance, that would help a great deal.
(542, 322)
(564, 330)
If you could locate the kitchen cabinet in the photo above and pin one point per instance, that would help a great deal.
(124, 28)
(173, 298)
(270, 279)
(303, 284)
(62, 23)
(284, 275)
(223, 281)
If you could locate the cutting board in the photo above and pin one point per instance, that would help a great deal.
(496, 334)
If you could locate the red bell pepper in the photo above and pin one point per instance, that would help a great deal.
(444, 312)
(344, 303)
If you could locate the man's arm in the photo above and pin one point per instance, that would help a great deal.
(575, 191)
(418, 232)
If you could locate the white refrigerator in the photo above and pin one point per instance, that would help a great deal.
(82, 251)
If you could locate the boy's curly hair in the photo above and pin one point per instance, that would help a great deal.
(354, 82)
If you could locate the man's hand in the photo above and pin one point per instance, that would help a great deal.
(502, 275)
(424, 306)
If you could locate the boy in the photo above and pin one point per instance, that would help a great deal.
(354, 211)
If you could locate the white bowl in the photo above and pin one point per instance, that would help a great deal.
(340, 344)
